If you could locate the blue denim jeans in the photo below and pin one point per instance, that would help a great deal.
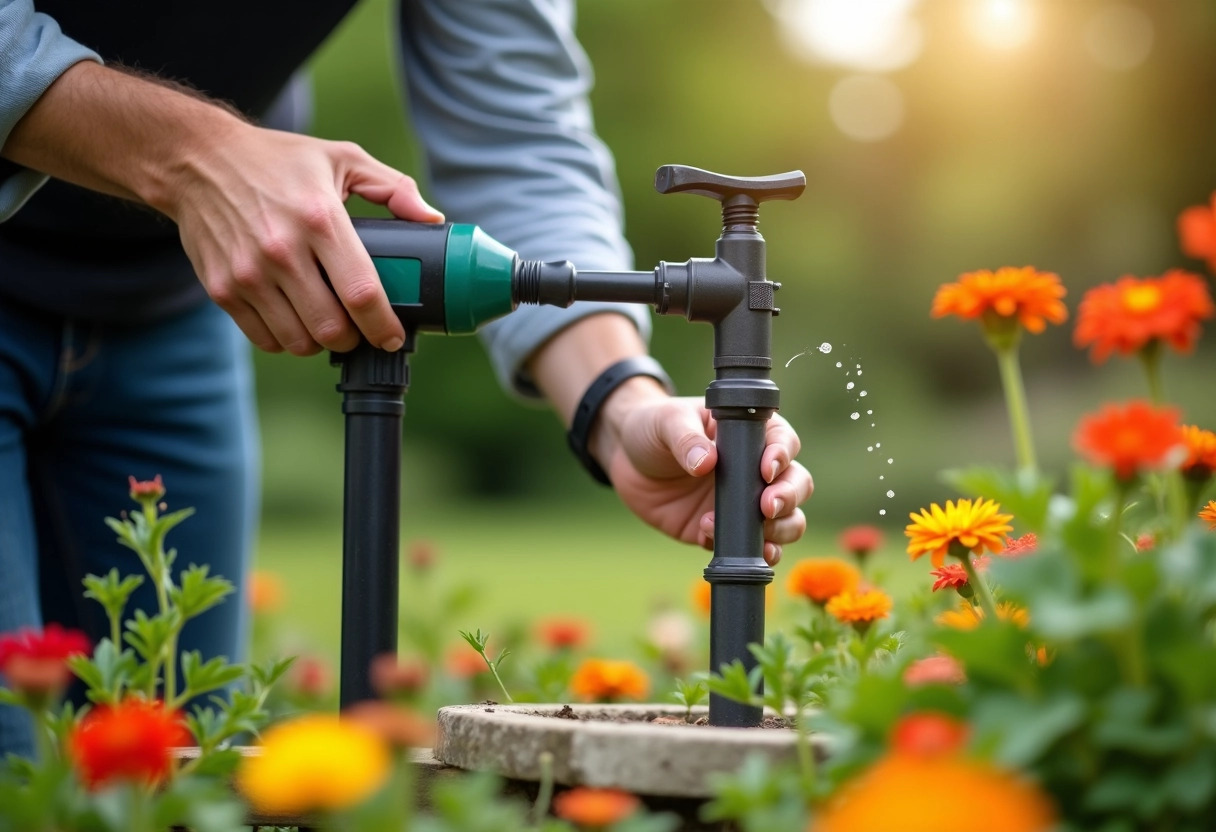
(84, 406)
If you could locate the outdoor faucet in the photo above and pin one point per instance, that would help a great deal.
(452, 278)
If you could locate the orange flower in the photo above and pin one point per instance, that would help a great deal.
(1200, 461)
(1131, 313)
(937, 791)
(563, 633)
(860, 541)
(463, 662)
(265, 592)
(934, 670)
(605, 680)
(1145, 541)
(1130, 439)
(594, 808)
(394, 677)
(969, 616)
(702, 593)
(1197, 232)
(1208, 513)
(954, 576)
(1024, 294)
(146, 491)
(1020, 546)
(861, 608)
(975, 525)
(928, 734)
(132, 741)
(821, 579)
(36, 663)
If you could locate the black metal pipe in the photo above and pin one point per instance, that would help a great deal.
(622, 287)
(373, 386)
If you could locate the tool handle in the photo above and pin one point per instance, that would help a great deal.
(670, 179)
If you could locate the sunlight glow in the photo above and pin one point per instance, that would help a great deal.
(867, 35)
(1119, 37)
(1002, 24)
(866, 108)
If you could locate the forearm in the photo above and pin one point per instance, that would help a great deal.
(116, 133)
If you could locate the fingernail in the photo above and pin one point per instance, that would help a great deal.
(695, 457)
(776, 555)
(393, 344)
(778, 504)
(773, 475)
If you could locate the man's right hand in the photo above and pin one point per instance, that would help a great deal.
(260, 212)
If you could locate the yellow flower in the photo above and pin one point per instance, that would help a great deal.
(315, 762)
(977, 525)
(1208, 513)
(861, 608)
(968, 617)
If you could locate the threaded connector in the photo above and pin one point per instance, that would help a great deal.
(537, 282)
(743, 215)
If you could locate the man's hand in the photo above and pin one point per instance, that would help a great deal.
(257, 209)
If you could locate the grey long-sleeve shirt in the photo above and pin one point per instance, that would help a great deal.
(498, 95)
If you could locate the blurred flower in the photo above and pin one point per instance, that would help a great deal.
(1130, 439)
(861, 608)
(976, 526)
(35, 663)
(820, 579)
(399, 727)
(310, 677)
(927, 734)
(934, 670)
(463, 662)
(265, 592)
(314, 762)
(421, 555)
(132, 741)
(954, 576)
(1197, 232)
(146, 491)
(1200, 460)
(1132, 313)
(565, 633)
(969, 616)
(606, 680)
(594, 808)
(393, 677)
(1008, 296)
(1208, 513)
(671, 631)
(1017, 547)
(860, 541)
(939, 791)
(702, 591)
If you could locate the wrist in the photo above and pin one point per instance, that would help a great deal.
(171, 174)
(607, 430)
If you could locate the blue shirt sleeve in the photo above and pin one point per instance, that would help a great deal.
(497, 93)
(33, 53)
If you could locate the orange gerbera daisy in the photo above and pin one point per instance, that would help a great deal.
(606, 680)
(821, 579)
(976, 526)
(861, 608)
(132, 741)
(1200, 462)
(1132, 313)
(1029, 296)
(1130, 439)
(1197, 232)
(1208, 513)
(595, 808)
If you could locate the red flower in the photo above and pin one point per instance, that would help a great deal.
(594, 808)
(36, 663)
(928, 734)
(1131, 313)
(1020, 546)
(131, 741)
(563, 633)
(1197, 232)
(393, 677)
(1130, 439)
(1145, 542)
(146, 491)
(954, 576)
(422, 555)
(934, 670)
(310, 677)
(463, 662)
(860, 540)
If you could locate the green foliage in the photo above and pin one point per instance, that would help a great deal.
(759, 797)
(478, 641)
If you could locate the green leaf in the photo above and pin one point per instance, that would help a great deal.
(198, 592)
(268, 673)
(200, 678)
(995, 652)
(735, 683)
(112, 591)
(107, 674)
(7, 697)
(149, 636)
(1024, 494)
(1020, 731)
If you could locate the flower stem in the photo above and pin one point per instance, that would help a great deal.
(544, 794)
(494, 669)
(1015, 401)
(1150, 360)
(982, 593)
(806, 754)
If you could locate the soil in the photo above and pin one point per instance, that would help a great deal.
(654, 717)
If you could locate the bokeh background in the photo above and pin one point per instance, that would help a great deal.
(938, 137)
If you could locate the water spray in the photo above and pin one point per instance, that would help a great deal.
(452, 278)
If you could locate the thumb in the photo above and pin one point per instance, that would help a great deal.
(377, 182)
(684, 435)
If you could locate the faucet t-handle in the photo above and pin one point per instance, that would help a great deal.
(729, 190)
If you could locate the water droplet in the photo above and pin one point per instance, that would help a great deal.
(838, 364)
(799, 355)
(859, 372)
(859, 366)
(854, 415)
(881, 477)
(890, 461)
(890, 494)
(870, 448)
(825, 348)
(869, 412)
(878, 445)
(849, 386)
(862, 393)
(871, 424)
(882, 512)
